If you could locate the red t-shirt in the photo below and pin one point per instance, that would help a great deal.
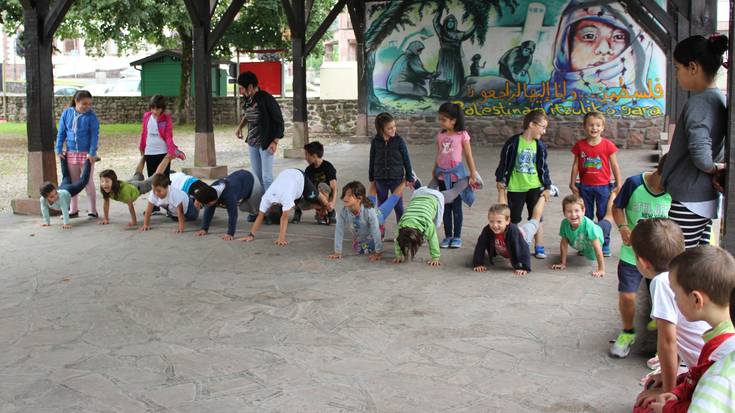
(594, 161)
(500, 247)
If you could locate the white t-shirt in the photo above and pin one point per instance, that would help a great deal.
(172, 201)
(182, 181)
(154, 144)
(688, 334)
(285, 190)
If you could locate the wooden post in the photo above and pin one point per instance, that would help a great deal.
(300, 114)
(356, 9)
(728, 241)
(40, 23)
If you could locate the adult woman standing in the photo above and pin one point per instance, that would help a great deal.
(697, 147)
(263, 117)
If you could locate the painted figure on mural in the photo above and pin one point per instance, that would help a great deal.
(450, 51)
(408, 75)
(514, 64)
(598, 48)
(475, 66)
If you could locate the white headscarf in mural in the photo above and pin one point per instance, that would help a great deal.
(630, 65)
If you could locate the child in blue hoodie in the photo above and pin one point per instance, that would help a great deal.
(77, 142)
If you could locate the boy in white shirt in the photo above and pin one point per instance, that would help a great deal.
(177, 202)
(656, 242)
(290, 188)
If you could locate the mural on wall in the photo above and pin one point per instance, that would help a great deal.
(506, 57)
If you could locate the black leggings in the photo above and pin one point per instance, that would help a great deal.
(74, 188)
(152, 162)
(516, 200)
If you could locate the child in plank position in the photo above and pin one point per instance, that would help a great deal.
(656, 242)
(503, 238)
(126, 192)
(703, 281)
(240, 190)
(60, 198)
(419, 222)
(179, 204)
(291, 187)
(582, 234)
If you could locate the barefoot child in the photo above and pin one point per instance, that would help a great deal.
(703, 280)
(419, 222)
(503, 238)
(594, 158)
(582, 234)
(656, 242)
(60, 198)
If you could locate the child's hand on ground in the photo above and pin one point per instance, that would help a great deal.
(335, 256)
(375, 257)
(66, 226)
(598, 273)
(45, 225)
(104, 221)
(520, 273)
(179, 230)
(398, 260)
(200, 233)
(480, 268)
(559, 266)
(145, 228)
(228, 237)
(281, 242)
(247, 238)
(434, 263)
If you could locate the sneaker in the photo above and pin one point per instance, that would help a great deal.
(138, 176)
(554, 191)
(296, 217)
(651, 326)
(382, 232)
(416, 181)
(540, 252)
(252, 217)
(455, 243)
(445, 243)
(180, 154)
(621, 347)
(74, 215)
(653, 363)
(606, 251)
(97, 158)
(93, 215)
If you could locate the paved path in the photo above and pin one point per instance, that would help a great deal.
(102, 319)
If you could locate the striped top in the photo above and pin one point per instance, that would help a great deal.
(715, 391)
(420, 214)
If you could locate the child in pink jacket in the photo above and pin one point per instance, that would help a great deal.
(156, 138)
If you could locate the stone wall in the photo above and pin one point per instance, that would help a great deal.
(326, 117)
(338, 118)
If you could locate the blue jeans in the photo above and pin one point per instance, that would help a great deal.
(596, 197)
(382, 187)
(74, 188)
(192, 213)
(383, 210)
(453, 215)
(262, 163)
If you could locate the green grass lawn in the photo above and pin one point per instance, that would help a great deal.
(18, 129)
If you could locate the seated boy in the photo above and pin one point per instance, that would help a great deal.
(703, 279)
(322, 174)
(656, 242)
(290, 188)
(179, 205)
(60, 198)
(240, 190)
(582, 234)
(501, 237)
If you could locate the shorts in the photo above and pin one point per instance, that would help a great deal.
(629, 278)
(309, 196)
(517, 200)
(529, 229)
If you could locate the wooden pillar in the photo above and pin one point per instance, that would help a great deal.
(356, 9)
(40, 24)
(300, 113)
(728, 241)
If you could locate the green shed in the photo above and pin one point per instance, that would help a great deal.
(160, 73)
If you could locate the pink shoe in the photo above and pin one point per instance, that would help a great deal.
(180, 154)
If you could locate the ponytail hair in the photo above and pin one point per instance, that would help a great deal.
(453, 111)
(358, 191)
(409, 240)
(707, 51)
(79, 95)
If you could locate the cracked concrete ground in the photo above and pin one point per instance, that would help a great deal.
(103, 319)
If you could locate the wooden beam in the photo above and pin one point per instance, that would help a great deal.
(660, 15)
(296, 29)
(194, 15)
(55, 17)
(319, 33)
(356, 8)
(224, 22)
(728, 241)
(641, 16)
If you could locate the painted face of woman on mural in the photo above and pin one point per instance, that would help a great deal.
(594, 43)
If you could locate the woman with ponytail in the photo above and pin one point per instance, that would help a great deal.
(697, 147)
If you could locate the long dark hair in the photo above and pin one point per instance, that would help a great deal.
(112, 176)
(79, 95)
(359, 192)
(409, 240)
(453, 111)
(705, 51)
(381, 120)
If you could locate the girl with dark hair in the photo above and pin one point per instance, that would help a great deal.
(451, 143)
(390, 166)
(77, 142)
(422, 217)
(156, 137)
(697, 147)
